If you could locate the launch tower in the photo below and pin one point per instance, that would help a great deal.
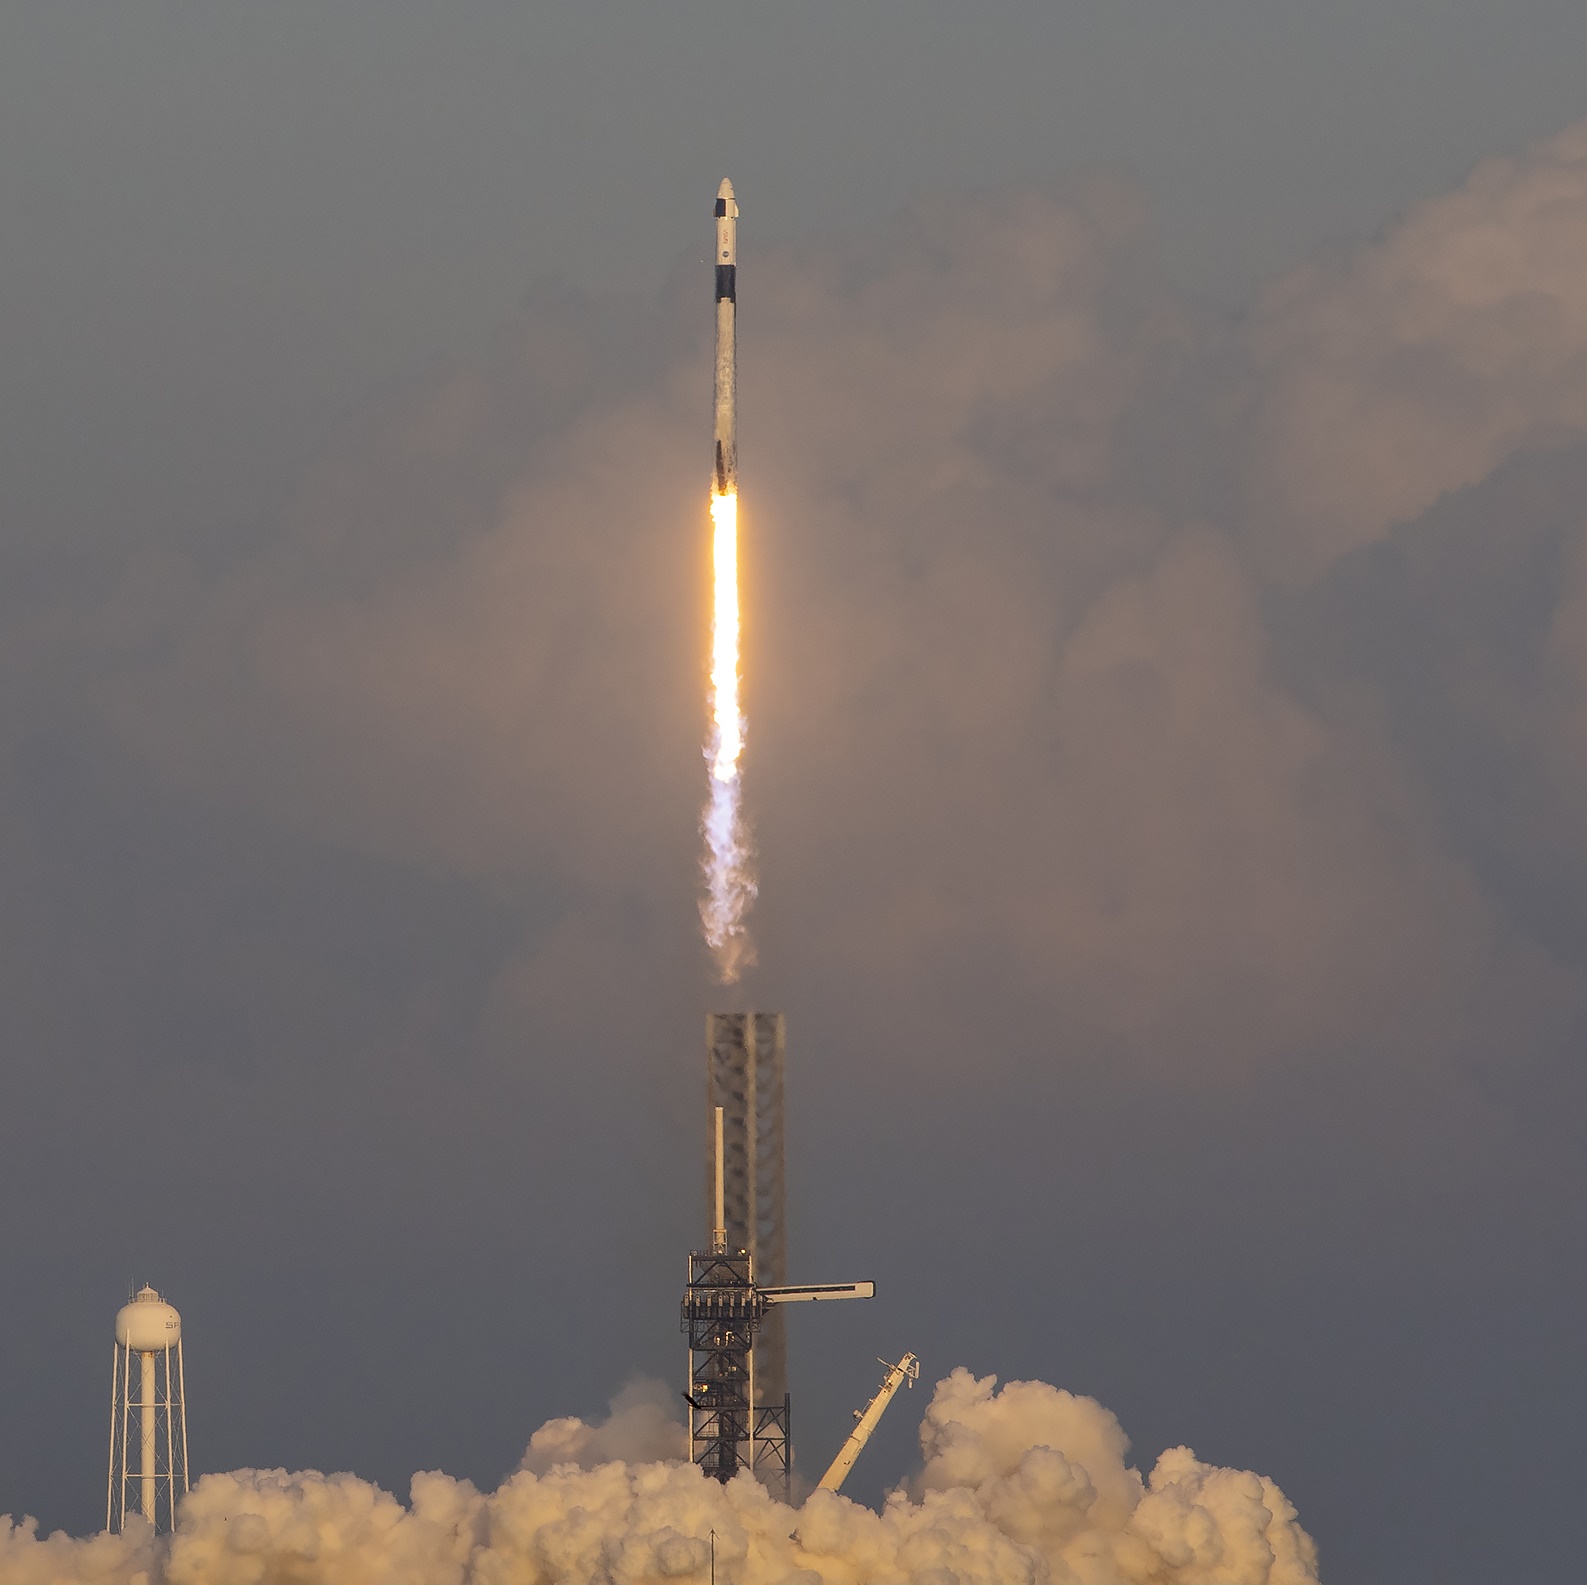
(739, 1406)
(744, 1076)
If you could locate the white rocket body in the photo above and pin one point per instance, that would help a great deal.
(726, 407)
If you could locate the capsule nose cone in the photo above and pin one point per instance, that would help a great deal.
(725, 190)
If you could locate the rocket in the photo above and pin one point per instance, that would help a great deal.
(726, 333)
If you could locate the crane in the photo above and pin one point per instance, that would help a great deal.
(907, 1369)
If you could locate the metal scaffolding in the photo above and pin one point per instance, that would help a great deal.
(721, 1313)
(744, 1076)
(739, 1409)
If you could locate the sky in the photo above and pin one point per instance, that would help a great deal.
(1164, 469)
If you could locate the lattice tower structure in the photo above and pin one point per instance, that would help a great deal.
(721, 1314)
(745, 1062)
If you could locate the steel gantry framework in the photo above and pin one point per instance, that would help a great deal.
(744, 1059)
(721, 1315)
(740, 1409)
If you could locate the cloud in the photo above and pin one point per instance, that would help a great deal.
(642, 1427)
(1141, 820)
(1418, 365)
(1006, 719)
(1026, 1484)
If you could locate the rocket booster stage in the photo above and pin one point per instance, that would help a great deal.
(726, 338)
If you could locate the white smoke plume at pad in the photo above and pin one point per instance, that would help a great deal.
(1027, 1486)
(641, 1429)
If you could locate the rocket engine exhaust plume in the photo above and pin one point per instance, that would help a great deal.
(729, 873)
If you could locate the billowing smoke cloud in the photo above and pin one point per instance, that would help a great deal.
(642, 1427)
(1418, 365)
(1019, 723)
(1383, 384)
(1025, 1485)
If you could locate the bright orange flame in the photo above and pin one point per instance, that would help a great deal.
(728, 738)
(729, 874)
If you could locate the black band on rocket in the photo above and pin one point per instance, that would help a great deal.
(727, 282)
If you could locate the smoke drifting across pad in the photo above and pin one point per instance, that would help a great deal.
(1024, 1485)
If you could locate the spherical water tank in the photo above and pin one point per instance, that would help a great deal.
(147, 1325)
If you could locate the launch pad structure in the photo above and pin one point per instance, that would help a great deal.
(744, 1055)
(740, 1409)
(744, 1060)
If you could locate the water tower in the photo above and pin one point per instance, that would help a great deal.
(148, 1414)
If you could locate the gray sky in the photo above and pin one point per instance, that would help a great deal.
(1166, 750)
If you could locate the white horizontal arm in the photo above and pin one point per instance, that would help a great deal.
(814, 1293)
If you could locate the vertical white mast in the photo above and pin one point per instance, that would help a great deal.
(719, 1225)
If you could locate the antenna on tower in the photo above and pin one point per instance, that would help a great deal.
(149, 1414)
(719, 1225)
